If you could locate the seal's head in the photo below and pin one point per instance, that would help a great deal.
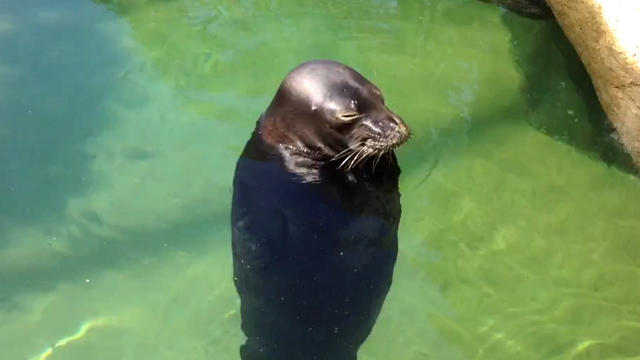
(328, 113)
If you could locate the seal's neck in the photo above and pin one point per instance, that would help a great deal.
(298, 129)
(308, 169)
(263, 146)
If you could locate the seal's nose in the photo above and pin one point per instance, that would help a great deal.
(389, 126)
(401, 131)
(386, 127)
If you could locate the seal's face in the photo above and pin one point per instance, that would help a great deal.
(329, 112)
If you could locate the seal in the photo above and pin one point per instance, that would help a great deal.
(315, 216)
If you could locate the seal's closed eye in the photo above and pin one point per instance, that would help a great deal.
(349, 116)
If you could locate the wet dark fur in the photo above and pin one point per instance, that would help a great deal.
(315, 239)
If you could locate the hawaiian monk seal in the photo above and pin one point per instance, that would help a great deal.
(315, 216)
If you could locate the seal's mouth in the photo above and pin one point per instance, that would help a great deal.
(372, 145)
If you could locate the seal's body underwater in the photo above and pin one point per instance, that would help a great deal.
(315, 216)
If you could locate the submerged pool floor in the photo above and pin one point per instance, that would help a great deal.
(122, 121)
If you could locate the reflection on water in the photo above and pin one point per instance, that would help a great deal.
(514, 244)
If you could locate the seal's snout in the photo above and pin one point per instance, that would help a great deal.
(385, 131)
(401, 133)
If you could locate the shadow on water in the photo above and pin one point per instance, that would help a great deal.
(545, 56)
(60, 64)
(57, 66)
(93, 253)
(560, 99)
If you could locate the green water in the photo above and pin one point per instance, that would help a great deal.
(121, 121)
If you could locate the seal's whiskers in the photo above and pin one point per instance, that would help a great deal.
(353, 161)
(344, 152)
(377, 160)
(346, 160)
